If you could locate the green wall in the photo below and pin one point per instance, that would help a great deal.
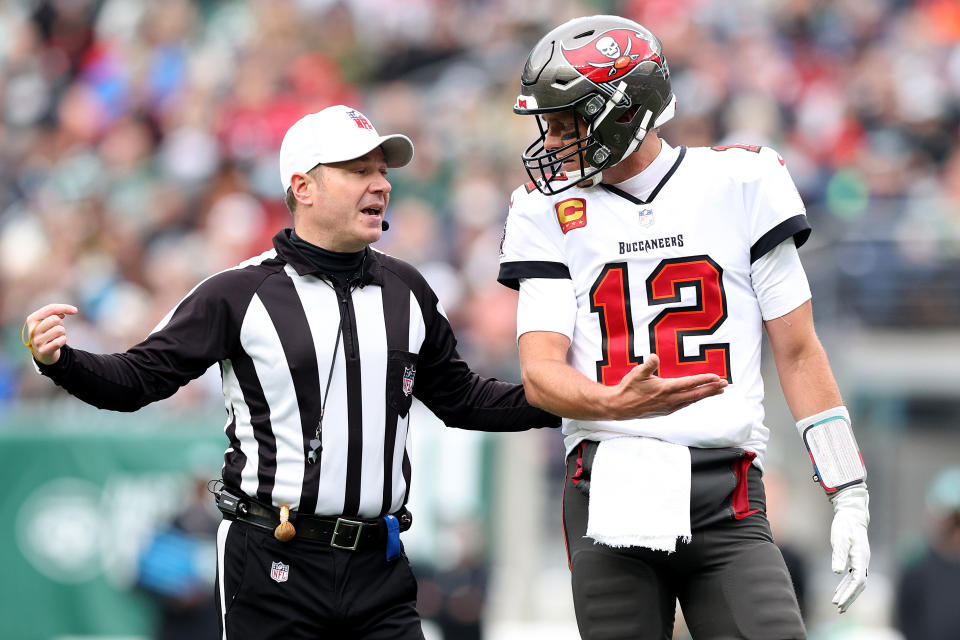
(83, 491)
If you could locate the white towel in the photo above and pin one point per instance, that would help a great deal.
(640, 494)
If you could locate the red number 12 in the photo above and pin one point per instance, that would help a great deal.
(610, 299)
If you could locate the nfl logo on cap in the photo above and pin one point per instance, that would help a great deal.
(336, 134)
(279, 572)
(360, 119)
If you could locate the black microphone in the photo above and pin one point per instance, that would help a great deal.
(384, 225)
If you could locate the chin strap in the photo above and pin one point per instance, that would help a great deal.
(591, 181)
(584, 183)
(836, 458)
(638, 137)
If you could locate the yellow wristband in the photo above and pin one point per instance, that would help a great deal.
(28, 340)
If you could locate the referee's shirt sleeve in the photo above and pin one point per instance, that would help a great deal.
(460, 397)
(198, 332)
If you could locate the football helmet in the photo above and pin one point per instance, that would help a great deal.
(610, 72)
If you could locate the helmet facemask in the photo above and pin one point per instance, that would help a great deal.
(545, 166)
(597, 118)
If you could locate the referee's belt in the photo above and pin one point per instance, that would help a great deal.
(341, 533)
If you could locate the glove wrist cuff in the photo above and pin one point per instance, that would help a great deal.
(856, 493)
(853, 500)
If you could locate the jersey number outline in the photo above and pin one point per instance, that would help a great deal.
(610, 300)
(754, 148)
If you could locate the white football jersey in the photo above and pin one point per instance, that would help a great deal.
(668, 274)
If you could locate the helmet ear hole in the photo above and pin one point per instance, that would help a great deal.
(627, 116)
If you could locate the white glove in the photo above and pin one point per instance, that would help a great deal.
(848, 537)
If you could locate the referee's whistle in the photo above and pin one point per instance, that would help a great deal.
(315, 448)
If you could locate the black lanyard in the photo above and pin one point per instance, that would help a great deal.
(316, 445)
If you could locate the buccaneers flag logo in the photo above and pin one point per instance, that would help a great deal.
(612, 55)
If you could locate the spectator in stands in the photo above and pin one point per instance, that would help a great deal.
(926, 600)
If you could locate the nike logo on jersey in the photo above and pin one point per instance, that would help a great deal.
(640, 246)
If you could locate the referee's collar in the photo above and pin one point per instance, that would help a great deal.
(369, 271)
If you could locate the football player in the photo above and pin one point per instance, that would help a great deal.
(635, 258)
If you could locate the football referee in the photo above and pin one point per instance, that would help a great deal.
(322, 343)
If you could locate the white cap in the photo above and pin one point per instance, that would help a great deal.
(336, 134)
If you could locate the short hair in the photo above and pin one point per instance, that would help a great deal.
(290, 200)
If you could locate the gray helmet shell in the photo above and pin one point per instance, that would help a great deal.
(609, 70)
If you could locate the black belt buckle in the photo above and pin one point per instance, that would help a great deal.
(346, 534)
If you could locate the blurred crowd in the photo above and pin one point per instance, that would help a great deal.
(138, 143)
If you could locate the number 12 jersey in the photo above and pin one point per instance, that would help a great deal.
(685, 260)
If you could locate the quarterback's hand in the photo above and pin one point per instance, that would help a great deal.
(43, 332)
(848, 537)
(641, 394)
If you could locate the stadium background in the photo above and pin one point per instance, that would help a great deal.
(138, 147)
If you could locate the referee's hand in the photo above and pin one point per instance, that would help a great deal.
(43, 332)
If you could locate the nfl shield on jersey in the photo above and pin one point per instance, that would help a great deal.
(408, 374)
(668, 274)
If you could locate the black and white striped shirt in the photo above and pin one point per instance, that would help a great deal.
(272, 323)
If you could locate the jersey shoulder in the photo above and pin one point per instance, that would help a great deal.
(394, 269)
(741, 163)
(403, 270)
(242, 279)
(229, 291)
(526, 200)
(549, 213)
(532, 244)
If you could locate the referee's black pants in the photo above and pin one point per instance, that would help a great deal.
(730, 580)
(323, 593)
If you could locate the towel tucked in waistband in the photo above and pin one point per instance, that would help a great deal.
(640, 494)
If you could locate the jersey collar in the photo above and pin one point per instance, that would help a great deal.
(644, 187)
(369, 271)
